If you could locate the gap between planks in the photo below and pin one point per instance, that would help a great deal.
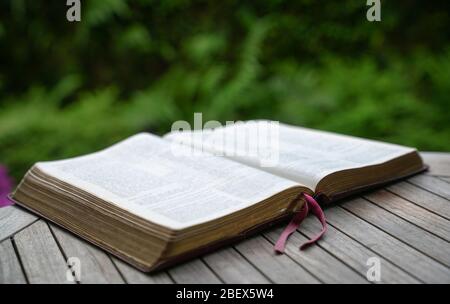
(387, 246)
(407, 233)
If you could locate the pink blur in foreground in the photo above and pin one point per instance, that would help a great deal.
(6, 186)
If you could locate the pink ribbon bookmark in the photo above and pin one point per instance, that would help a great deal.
(310, 204)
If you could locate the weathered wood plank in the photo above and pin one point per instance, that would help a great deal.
(423, 198)
(96, 266)
(232, 268)
(134, 276)
(412, 213)
(432, 184)
(414, 236)
(13, 219)
(42, 260)
(404, 226)
(397, 252)
(278, 268)
(10, 269)
(193, 272)
(439, 162)
(445, 178)
(317, 261)
(354, 254)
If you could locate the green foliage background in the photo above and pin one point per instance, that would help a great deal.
(71, 88)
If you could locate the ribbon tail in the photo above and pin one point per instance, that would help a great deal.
(290, 228)
(318, 212)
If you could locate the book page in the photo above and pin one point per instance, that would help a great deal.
(142, 175)
(304, 155)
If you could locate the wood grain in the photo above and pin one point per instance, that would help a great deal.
(96, 266)
(42, 259)
(232, 268)
(194, 271)
(278, 268)
(423, 198)
(13, 219)
(354, 254)
(134, 276)
(10, 269)
(432, 184)
(412, 213)
(406, 226)
(397, 227)
(439, 163)
(383, 244)
(316, 260)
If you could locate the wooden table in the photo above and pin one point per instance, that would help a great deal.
(405, 225)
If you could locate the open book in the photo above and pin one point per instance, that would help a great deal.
(154, 201)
